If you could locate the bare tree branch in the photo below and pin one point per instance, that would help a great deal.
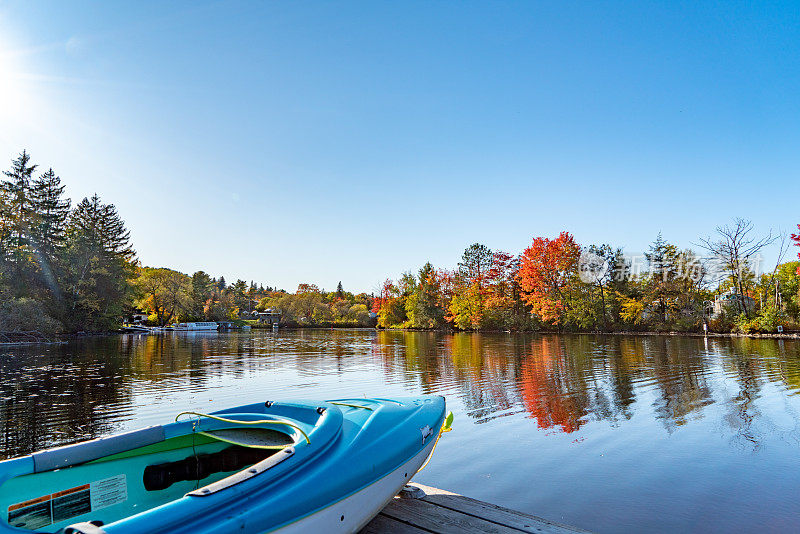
(735, 247)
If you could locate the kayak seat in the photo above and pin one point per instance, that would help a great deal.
(256, 438)
(157, 477)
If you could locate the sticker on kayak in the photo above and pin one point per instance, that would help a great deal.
(68, 503)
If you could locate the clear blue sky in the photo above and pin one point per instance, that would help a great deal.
(289, 142)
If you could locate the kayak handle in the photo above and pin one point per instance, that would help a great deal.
(352, 405)
(239, 422)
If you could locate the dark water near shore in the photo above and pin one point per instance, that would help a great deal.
(606, 433)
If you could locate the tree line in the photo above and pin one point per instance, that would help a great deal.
(558, 284)
(72, 268)
(62, 267)
(68, 268)
(170, 296)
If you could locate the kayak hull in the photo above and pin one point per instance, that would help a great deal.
(299, 466)
(352, 513)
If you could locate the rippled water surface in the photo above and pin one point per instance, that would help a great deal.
(606, 433)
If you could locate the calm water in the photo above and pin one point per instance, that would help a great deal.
(606, 433)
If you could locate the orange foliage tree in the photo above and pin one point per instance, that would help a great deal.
(796, 239)
(502, 280)
(389, 305)
(547, 273)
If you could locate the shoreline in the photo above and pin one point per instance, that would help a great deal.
(648, 333)
(65, 338)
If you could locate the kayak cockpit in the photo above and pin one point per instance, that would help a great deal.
(111, 479)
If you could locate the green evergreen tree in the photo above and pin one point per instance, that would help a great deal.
(423, 306)
(48, 231)
(202, 289)
(52, 212)
(100, 262)
(17, 216)
(475, 263)
(18, 199)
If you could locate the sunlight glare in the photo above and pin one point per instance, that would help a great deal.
(12, 94)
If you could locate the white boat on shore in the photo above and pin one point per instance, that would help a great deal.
(184, 327)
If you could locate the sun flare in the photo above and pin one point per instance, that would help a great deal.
(13, 96)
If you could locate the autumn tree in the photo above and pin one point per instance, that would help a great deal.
(390, 305)
(600, 267)
(466, 310)
(788, 283)
(164, 293)
(504, 307)
(307, 288)
(466, 307)
(662, 286)
(548, 272)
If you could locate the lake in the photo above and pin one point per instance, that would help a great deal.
(607, 433)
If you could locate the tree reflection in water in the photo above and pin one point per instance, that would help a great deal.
(564, 383)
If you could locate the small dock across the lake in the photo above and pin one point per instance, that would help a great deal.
(441, 511)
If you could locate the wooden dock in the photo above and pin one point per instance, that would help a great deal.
(441, 511)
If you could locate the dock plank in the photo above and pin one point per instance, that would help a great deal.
(386, 525)
(441, 520)
(444, 512)
(492, 512)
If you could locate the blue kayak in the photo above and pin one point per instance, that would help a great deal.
(300, 466)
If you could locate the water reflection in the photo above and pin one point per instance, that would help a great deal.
(565, 382)
(655, 431)
(58, 394)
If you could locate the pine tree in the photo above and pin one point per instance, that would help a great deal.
(48, 230)
(475, 263)
(52, 212)
(101, 262)
(16, 218)
(339, 290)
(19, 207)
(661, 288)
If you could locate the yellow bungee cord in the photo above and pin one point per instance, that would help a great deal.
(447, 426)
(238, 422)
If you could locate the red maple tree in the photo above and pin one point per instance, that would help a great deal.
(796, 239)
(387, 290)
(547, 272)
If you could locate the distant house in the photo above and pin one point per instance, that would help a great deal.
(731, 301)
(138, 316)
(269, 316)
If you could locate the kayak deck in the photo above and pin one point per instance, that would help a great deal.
(275, 466)
(110, 479)
(129, 482)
